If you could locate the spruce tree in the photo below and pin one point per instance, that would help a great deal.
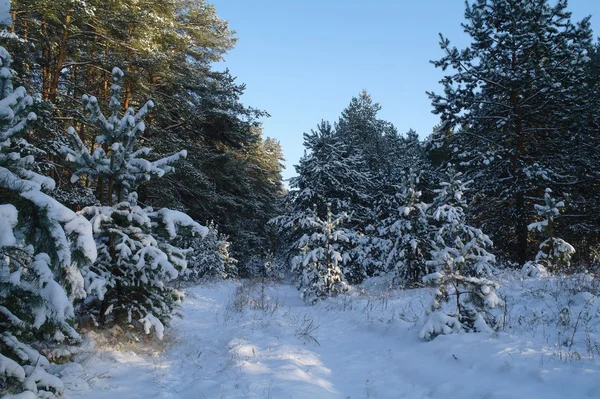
(317, 267)
(554, 253)
(464, 290)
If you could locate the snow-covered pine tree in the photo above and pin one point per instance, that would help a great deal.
(407, 231)
(397, 188)
(464, 289)
(366, 136)
(365, 255)
(138, 256)
(43, 245)
(511, 99)
(584, 230)
(405, 154)
(329, 176)
(329, 179)
(555, 253)
(321, 254)
(209, 256)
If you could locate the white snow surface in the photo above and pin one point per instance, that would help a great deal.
(8, 221)
(266, 343)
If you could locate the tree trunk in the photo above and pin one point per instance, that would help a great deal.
(128, 70)
(60, 58)
(521, 206)
(521, 229)
(45, 62)
(105, 76)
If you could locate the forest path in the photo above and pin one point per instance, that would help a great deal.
(248, 340)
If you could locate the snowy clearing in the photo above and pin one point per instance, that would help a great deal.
(247, 339)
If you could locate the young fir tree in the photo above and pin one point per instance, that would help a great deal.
(554, 253)
(321, 255)
(406, 231)
(514, 95)
(138, 255)
(329, 178)
(43, 245)
(209, 256)
(464, 292)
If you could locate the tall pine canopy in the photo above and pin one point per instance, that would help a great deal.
(232, 174)
(511, 99)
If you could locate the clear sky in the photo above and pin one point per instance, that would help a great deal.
(303, 60)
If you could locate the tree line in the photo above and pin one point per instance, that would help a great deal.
(127, 163)
(508, 178)
(232, 174)
(132, 164)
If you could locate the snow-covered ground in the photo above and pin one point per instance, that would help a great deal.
(249, 340)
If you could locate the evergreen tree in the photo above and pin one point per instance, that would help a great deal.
(43, 245)
(365, 134)
(329, 178)
(406, 231)
(583, 199)
(554, 253)
(318, 265)
(167, 47)
(464, 292)
(513, 96)
(231, 175)
(137, 252)
(209, 256)
(329, 175)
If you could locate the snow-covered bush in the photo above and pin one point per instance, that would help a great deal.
(534, 269)
(554, 253)
(464, 291)
(42, 247)
(138, 255)
(209, 256)
(318, 265)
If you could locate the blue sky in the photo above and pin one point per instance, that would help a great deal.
(303, 60)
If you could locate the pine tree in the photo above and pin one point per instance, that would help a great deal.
(407, 231)
(321, 254)
(584, 230)
(43, 246)
(167, 48)
(329, 179)
(209, 256)
(137, 252)
(514, 97)
(365, 134)
(330, 176)
(232, 174)
(554, 253)
(464, 292)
